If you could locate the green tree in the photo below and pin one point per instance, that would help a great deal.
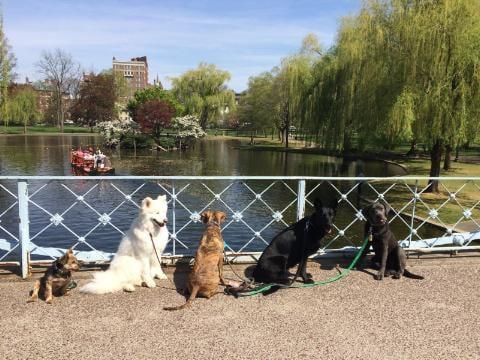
(256, 106)
(154, 93)
(204, 93)
(7, 64)
(399, 69)
(22, 108)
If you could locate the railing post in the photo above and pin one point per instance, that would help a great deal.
(23, 226)
(301, 199)
(415, 197)
(174, 229)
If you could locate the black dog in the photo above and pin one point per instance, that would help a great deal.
(388, 253)
(293, 246)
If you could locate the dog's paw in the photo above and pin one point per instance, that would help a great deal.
(308, 280)
(378, 276)
(161, 276)
(150, 283)
(396, 276)
(129, 287)
(49, 300)
(31, 299)
(308, 276)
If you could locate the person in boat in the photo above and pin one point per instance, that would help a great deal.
(99, 159)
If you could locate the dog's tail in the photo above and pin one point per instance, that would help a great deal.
(103, 282)
(192, 297)
(411, 275)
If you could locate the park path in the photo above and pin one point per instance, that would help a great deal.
(356, 318)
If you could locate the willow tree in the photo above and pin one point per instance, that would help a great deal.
(400, 69)
(7, 64)
(444, 73)
(22, 108)
(292, 79)
(204, 93)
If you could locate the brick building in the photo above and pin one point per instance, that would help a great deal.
(135, 73)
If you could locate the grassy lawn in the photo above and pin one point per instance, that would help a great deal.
(39, 129)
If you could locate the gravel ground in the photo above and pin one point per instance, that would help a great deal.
(356, 318)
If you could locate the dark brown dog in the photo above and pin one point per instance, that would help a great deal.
(207, 270)
(57, 279)
(388, 253)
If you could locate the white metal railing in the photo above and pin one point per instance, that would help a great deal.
(40, 216)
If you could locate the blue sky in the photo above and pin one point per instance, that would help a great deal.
(244, 37)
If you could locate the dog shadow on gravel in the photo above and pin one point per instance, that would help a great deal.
(180, 277)
(340, 265)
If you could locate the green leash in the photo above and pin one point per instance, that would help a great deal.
(266, 287)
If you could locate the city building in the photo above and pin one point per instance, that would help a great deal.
(135, 73)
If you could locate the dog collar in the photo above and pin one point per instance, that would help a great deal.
(59, 271)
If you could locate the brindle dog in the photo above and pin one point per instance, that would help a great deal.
(57, 279)
(207, 270)
(388, 252)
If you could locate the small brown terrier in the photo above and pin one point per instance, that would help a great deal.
(207, 270)
(57, 279)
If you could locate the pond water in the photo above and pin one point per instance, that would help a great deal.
(49, 155)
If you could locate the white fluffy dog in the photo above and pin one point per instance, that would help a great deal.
(135, 261)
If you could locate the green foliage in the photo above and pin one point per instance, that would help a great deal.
(256, 106)
(7, 64)
(154, 93)
(276, 98)
(400, 69)
(135, 140)
(167, 142)
(22, 108)
(203, 93)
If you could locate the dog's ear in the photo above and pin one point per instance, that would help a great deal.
(365, 211)
(162, 197)
(317, 204)
(205, 216)
(220, 216)
(69, 252)
(147, 202)
(387, 207)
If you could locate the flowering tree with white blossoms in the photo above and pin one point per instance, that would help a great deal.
(114, 131)
(187, 128)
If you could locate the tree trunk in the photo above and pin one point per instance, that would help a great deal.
(413, 148)
(447, 164)
(435, 166)
(252, 138)
(286, 136)
(346, 143)
(457, 153)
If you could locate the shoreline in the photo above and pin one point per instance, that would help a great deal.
(50, 134)
(317, 151)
